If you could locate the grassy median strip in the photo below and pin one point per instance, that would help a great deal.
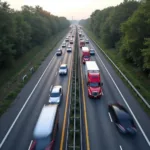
(12, 82)
(137, 78)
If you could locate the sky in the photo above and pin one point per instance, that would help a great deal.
(76, 9)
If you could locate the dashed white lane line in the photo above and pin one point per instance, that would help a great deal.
(120, 147)
(102, 93)
(110, 117)
(56, 74)
(50, 88)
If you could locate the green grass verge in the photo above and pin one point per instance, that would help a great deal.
(12, 82)
(137, 78)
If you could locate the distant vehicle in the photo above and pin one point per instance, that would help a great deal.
(71, 41)
(72, 35)
(82, 43)
(80, 34)
(56, 95)
(93, 79)
(59, 52)
(122, 119)
(85, 54)
(67, 39)
(92, 52)
(69, 49)
(63, 70)
(46, 129)
(63, 45)
(87, 41)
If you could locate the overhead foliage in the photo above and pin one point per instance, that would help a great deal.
(22, 30)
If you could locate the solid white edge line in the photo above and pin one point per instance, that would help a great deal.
(110, 117)
(6, 135)
(30, 144)
(146, 138)
(120, 147)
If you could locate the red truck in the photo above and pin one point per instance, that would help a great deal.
(85, 54)
(93, 79)
(82, 43)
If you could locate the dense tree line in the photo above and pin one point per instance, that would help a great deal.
(22, 30)
(126, 28)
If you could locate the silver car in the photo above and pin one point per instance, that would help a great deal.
(56, 95)
(63, 70)
(69, 49)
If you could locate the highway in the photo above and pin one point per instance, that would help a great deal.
(19, 135)
(99, 132)
(102, 133)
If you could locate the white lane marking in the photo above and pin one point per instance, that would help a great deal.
(56, 74)
(120, 147)
(102, 93)
(51, 88)
(30, 144)
(8, 132)
(146, 138)
(110, 117)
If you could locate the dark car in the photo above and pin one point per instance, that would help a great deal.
(87, 41)
(92, 52)
(59, 52)
(122, 119)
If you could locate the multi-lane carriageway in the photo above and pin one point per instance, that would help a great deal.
(99, 133)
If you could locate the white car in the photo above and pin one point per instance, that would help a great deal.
(56, 95)
(63, 70)
(63, 44)
(69, 49)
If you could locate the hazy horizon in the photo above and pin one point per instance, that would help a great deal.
(70, 9)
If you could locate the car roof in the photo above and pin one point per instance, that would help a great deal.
(56, 88)
(44, 125)
(121, 112)
(63, 65)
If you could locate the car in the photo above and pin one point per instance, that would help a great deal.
(87, 41)
(63, 45)
(72, 35)
(46, 128)
(71, 41)
(59, 52)
(63, 70)
(122, 119)
(69, 49)
(92, 52)
(55, 95)
(67, 39)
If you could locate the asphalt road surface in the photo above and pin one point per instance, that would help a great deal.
(103, 134)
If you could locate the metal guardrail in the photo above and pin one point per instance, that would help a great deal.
(129, 82)
(73, 133)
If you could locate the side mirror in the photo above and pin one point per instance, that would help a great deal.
(101, 84)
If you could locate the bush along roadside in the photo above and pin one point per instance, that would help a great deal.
(12, 87)
(128, 70)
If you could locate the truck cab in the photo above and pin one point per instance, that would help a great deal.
(94, 85)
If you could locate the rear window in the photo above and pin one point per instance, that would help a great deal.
(42, 143)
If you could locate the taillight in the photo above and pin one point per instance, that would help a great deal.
(33, 145)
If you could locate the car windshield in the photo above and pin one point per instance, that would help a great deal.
(125, 123)
(55, 94)
(94, 84)
(42, 143)
(63, 67)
